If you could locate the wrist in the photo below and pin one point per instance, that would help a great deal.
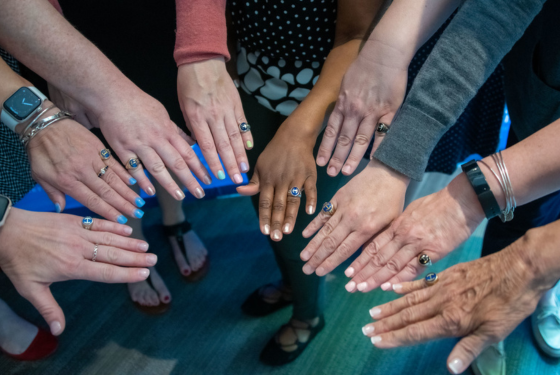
(375, 168)
(387, 53)
(46, 104)
(460, 190)
(539, 252)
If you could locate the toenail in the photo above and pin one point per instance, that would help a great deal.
(166, 298)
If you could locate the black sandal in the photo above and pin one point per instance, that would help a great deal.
(274, 355)
(177, 231)
(256, 306)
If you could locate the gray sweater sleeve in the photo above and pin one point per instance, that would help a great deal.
(474, 43)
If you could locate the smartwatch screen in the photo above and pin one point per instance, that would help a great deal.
(23, 103)
(4, 202)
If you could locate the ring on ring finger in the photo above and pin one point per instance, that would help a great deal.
(244, 127)
(94, 257)
(431, 278)
(424, 260)
(87, 222)
(328, 208)
(105, 154)
(295, 192)
(382, 128)
(132, 164)
(103, 171)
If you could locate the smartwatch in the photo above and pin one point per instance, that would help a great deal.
(5, 205)
(21, 105)
(482, 189)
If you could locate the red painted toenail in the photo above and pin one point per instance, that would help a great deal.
(186, 272)
(166, 298)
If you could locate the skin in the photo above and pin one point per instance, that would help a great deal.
(37, 249)
(481, 301)
(287, 161)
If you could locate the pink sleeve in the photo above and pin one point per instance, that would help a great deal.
(56, 5)
(201, 31)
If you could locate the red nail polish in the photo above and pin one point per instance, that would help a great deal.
(166, 298)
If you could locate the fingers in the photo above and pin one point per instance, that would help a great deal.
(266, 202)
(317, 223)
(55, 195)
(122, 189)
(107, 273)
(310, 188)
(332, 236)
(42, 299)
(201, 130)
(158, 170)
(412, 334)
(247, 137)
(344, 251)
(329, 137)
(114, 240)
(117, 168)
(411, 270)
(291, 211)
(360, 145)
(465, 352)
(225, 149)
(410, 300)
(192, 160)
(343, 145)
(94, 202)
(235, 137)
(408, 287)
(100, 225)
(252, 188)
(119, 257)
(138, 172)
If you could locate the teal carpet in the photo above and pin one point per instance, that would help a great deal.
(204, 332)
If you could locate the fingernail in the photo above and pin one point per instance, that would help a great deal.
(266, 229)
(179, 194)
(56, 328)
(144, 246)
(144, 273)
(151, 191)
(151, 259)
(375, 339)
(362, 286)
(310, 210)
(121, 219)
(320, 271)
(199, 193)
(349, 272)
(346, 169)
(456, 366)
(367, 330)
(139, 202)
(305, 255)
(132, 181)
(221, 175)
(374, 312)
(307, 269)
(350, 286)
(237, 178)
(386, 286)
(138, 214)
(276, 234)
(57, 208)
(321, 161)
(249, 144)
(244, 167)
(286, 228)
(397, 287)
(127, 230)
(207, 180)
(332, 171)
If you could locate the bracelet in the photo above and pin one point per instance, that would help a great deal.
(36, 118)
(483, 192)
(62, 115)
(511, 203)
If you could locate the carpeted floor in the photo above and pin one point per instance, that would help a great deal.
(205, 333)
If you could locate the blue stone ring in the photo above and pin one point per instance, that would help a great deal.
(103, 171)
(295, 192)
(87, 222)
(431, 278)
(133, 163)
(424, 260)
(244, 127)
(328, 209)
(105, 154)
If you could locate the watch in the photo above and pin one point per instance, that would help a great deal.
(21, 105)
(482, 189)
(5, 205)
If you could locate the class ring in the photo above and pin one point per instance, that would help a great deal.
(244, 127)
(295, 192)
(424, 260)
(105, 154)
(328, 208)
(431, 278)
(382, 128)
(133, 163)
(87, 222)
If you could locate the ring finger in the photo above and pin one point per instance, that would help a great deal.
(134, 166)
(360, 145)
(343, 145)
(237, 143)
(292, 206)
(119, 257)
(116, 167)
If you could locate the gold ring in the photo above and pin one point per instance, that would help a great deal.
(431, 278)
(133, 163)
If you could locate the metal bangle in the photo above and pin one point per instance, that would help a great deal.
(36, 118)
(62, 115)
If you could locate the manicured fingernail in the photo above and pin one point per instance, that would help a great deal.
(121, 219)
(310, 209)
(321, 161)
(375, 339)
(144, 273)
(249, 144)
(151, 259)
(244, 167)
(350, 286)
(138, 214)
(221, 175)
(346, 169)
(349, 272)
(397, 287)
(320, 271)
(456, 366)
(58, 208)
(305, 255)
(127, 230)
(199, 193)
(386, 286)
(307, 269)
(207, 180)
(362, 286)
(237, 178)
(367, 330)
(332, 171)
(276, 235)
(151, 191)
(286, 228)
(374, 312)
(266, 229)
(144, 246)
(132, 181)
(56, 328)
(139, 202)
(179, 194)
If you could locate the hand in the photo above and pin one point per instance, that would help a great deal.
(37, 249)
(481, 301)
(66, 103)
(213, 111)
(65, 159)
(372, 91)
(364, 207)
(434, 225)
(286, 162)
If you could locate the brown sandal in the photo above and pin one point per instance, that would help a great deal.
(177, 231)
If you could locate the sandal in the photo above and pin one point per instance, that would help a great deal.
(43, 345)
(274, 353)
(256, 306)
(153, 310)
(177, 231)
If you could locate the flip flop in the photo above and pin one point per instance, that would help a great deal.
(153, 310)
(177, 231)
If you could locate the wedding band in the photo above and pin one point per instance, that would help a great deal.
(94, 257)
(328, 208)
(295, 192)
(382, 128)
(133, 163)
(424, 260)
(105, 154)
(431, 279)
(87, 222)
(103, 171)
(244, 127)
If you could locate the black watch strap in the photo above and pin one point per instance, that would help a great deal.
(482, 189)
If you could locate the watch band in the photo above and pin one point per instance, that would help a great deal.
(482, 189)
(12, 122)
(4, 213)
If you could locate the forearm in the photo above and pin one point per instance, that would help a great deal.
(10, 81)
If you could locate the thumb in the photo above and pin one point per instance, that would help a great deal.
(55, 195)
(252, 188)
(465, 352)
(42, 299)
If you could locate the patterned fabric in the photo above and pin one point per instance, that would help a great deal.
(15, 171)
(281, 50)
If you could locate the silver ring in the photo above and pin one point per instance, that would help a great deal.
(103, 171)
(431, 278)
(295, 192)
(424, 260)
(87, 222)
(94, 257)
(244, 127)
(382, 128)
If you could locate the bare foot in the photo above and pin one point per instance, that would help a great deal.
(195, 251)
(145, 295)
(272, 293)
(298, 331)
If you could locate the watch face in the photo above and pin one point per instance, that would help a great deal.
(4, 202)
(22, 103)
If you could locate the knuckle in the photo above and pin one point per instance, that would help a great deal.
(111, 178)
(328, 228)
(107, 274)
(344, 141)
(329, 243)
(393, 266)
(377, 260)
(265, 204)
(112, 255)
(206, 145)
(452, 318)
(234, 136)
(411, 270)
(414, 333)
(93, 201)
(106, 193)
(361, 140)
(279, 206)
(179, 164)
(289, 217)
(407, 316)
(107, 239)
(330, 132)
(371, 250)
(222, 145)
(157, 168)
(344, 250)
(411, 299)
